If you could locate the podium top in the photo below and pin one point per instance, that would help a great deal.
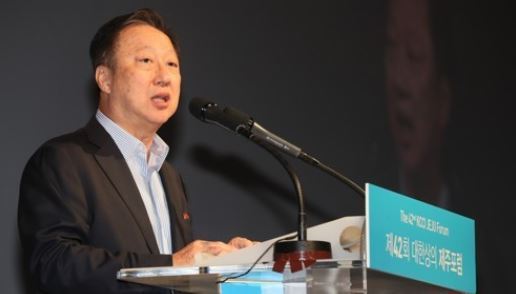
(326, 276)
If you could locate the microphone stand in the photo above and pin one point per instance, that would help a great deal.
(301, 253)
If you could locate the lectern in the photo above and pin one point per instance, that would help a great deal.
(401, 246)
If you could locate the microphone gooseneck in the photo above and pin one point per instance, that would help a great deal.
(301, 230)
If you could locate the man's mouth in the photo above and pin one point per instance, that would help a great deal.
(161, 97)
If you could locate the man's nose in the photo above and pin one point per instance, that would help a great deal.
(163, 74)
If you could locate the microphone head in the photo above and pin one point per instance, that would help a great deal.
(198, 107)
(227, 117)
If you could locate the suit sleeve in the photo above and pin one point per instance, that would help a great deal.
(54, 220)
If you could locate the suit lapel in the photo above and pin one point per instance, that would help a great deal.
(114, 166)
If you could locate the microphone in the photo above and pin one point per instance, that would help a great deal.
(236, 121)
(301, 253)
(297, 253)
(241, 123)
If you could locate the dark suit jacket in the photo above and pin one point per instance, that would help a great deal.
(81, 217)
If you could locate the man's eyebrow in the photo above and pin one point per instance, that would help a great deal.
(145, 47)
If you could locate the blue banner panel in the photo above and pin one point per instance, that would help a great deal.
(413, 239)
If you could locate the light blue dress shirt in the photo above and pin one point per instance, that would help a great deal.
(146, 175)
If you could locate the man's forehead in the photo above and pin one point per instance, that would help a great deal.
(143, 37)
(140, 31)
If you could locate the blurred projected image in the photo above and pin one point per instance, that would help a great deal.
(418, 100)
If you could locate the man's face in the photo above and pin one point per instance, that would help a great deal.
(140, 90)
(417, 96)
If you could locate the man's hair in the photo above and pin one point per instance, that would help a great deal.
(103, 44)
(441, 30)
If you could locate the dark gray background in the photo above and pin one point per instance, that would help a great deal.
(313, 72)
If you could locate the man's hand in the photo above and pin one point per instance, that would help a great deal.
(239, 242)
(200, 249)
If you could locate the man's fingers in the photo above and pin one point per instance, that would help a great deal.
(217, 248)
(239, 242)
(201, 249)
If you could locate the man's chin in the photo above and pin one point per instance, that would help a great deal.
(158, 122)
(410, 161)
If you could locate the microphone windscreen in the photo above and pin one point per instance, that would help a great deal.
(198, 105)
(235, 119)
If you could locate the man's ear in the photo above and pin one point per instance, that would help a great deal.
(103, 77)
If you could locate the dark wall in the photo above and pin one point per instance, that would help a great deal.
(313, 72)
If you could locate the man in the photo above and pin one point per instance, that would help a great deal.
(418, 100)
(104, 198)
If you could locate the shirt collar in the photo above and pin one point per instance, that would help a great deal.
(131, 147)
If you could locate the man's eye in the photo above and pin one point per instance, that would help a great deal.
(173, 64)
(145, 60)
